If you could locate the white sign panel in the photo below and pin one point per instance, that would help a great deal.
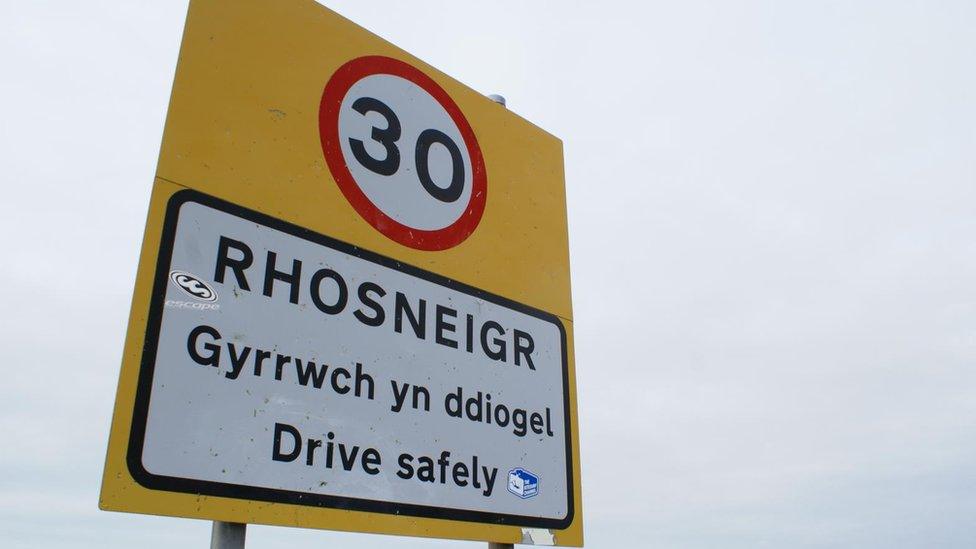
(284, 366)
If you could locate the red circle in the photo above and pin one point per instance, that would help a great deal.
(332, 96)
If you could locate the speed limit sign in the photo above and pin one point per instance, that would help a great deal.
(402, 153)
(332, 325)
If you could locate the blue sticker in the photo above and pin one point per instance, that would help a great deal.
(523, 483)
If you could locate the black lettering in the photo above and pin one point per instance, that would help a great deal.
(425, 472)
(498, 353)
(292, 279)
(501, 419)
(280, 362)
(385, 136)
(329, 446)
(405, 461)
(421, 153)
(442, 463)
(535, 422)
(224, 261)
(260, 357)
(418, 392)
(524, 347)
(460, 474)
(452, 403)
(371, 461)
(309, 371)
(399, 397)
(442, 326)
(312, 445)
(213, 358)
(417, 321)
(474, 472)
(336, 373)
(519, 422)
(348, 459)
(488, 408)
(476, 404)
(276, 453)
(236, 362)
(316, 291)
(490, 477)
(379, 315)
(363, 379)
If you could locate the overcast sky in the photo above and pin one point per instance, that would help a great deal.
(771, 210)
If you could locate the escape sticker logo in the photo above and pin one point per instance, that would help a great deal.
(198, 289)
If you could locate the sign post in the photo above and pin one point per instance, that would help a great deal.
(227, 535)
(352, 309)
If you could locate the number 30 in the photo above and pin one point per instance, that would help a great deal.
(391, 163)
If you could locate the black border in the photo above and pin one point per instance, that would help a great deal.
(237, 491)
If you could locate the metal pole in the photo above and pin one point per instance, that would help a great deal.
(491, 544)
(227, 535)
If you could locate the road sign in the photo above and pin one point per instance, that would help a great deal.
(352, 309)
(431, 215)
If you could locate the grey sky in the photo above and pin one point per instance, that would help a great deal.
(771, 212)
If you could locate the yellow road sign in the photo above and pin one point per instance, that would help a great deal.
(352, 309)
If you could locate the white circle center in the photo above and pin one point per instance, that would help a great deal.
(402, 194)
